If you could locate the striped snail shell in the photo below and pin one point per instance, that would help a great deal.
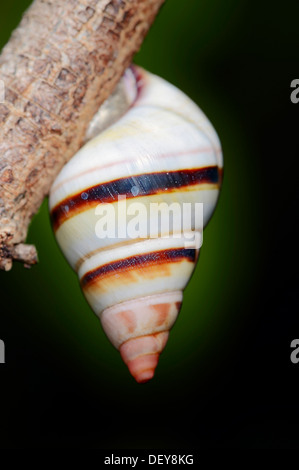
(162, 149)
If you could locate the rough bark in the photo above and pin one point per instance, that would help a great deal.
(61, 63)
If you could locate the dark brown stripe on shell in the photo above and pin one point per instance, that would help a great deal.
(133, 186)
(137, 262)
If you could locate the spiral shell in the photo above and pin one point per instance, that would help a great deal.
(162, 150)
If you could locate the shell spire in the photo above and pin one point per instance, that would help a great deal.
(125, 212)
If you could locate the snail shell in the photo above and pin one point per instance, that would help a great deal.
(162, 150)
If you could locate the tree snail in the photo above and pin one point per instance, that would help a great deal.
(149, 148)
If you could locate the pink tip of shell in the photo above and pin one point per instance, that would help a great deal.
(142, 355)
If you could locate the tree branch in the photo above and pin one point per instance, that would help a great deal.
(61, 63)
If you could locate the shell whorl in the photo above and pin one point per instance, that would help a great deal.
(163, 150)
